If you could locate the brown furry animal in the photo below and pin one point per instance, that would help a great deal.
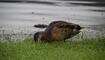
(58, 31)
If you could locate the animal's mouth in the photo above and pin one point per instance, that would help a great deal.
(78, 30)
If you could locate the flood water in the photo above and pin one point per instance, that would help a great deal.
(17, 18)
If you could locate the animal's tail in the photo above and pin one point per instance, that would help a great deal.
(40, 26)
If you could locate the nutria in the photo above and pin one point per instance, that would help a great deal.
(58, 31)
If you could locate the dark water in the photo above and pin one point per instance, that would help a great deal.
(18, 17)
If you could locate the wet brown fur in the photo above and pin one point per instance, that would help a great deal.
(59, 31)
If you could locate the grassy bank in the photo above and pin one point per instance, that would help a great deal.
(93, 49)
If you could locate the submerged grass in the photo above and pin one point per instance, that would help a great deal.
(92, 49)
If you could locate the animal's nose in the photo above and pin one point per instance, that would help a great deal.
(78, 27)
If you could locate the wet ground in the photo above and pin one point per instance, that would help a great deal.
(17, 18)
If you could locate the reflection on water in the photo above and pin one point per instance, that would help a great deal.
(18, 17)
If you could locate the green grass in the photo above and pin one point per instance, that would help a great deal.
(93, 49)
